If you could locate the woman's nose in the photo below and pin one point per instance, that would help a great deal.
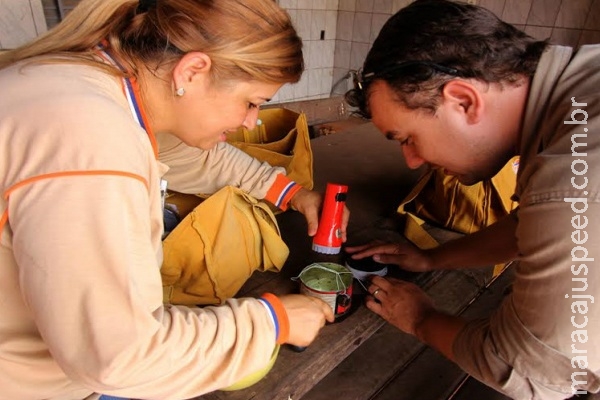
(251, 118)
(413, 160)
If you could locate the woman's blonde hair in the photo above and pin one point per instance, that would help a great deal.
(245, 39)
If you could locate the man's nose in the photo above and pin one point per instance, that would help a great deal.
(413, 160)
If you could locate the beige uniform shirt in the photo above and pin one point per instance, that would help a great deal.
(80, 250)
(544, 341)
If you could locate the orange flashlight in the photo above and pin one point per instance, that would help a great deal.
(328, 239)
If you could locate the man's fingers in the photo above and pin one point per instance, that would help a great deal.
(384, 284)
(378, 249)
(374, 306)
(356, 249)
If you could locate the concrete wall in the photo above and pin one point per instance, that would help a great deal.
(337, 34)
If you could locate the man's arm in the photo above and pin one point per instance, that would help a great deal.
(494, 244)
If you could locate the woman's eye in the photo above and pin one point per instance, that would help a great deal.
(252, 105)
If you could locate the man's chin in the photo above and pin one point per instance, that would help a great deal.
(468, 180)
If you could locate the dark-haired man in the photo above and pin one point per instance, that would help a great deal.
(464, 91)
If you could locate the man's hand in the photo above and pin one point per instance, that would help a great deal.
(400, 303)
(404, 255)
(410, 309)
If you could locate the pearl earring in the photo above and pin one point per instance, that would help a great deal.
(180, 92)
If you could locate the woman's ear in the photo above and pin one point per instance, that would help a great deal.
(190, 67)
(465, 98)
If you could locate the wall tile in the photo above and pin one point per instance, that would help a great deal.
(329, 50)
(358, 53)
(399, 4)
(377, 23)
(516, 11)
(345, 24)
(321, 54)
(589, 37)
(326, 80)
(304, 5)
(539, 32)
(333, 5)
(341, 82)
(330, 25)
(382, 6)
(303, 23)
(342, 54)
(347, 5)
(317, 24)
(286, 93)
(573, 13)
(362, 28)
(314, 82)
(593, 19)
(289, 4)
(565, 37)
(351, 26)
(301, 88)
(307, 53)
(294, 18)
(543, 12)
(319, 4)
(364, 6)
(495, 6)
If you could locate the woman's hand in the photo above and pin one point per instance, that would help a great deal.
(307, 315)
(405, 255)
(308, 202)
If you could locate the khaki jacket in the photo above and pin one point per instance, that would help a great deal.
(544, 341)
(81, 305)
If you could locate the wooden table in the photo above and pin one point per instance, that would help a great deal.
(378, 179)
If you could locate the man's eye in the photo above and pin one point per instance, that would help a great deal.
(405, 142)
(252, 105)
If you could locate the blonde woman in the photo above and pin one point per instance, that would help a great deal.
(81, 217)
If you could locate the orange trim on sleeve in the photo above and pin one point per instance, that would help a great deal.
(282, 191)
(281, 315)
(4, 218)
(151, 136)
(3, 221)
(73, 173)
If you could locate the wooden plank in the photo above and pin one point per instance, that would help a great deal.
(393, 365)
(295, 373)
(415, 380)
(355, 346)
(37, 13)
(387, 353)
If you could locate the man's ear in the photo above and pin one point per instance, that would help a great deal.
(465, 98)
(191, 66)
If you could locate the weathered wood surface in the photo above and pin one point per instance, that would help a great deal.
(352, 358)
(394, 366)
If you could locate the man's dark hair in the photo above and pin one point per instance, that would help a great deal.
(430, 42)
